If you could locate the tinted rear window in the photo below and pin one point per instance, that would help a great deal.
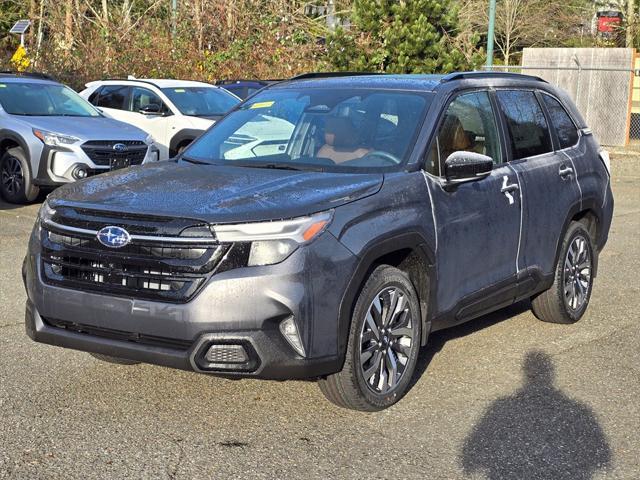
(528, 129)
(561, 121)
(113, 96)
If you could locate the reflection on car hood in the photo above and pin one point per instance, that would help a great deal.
(86, 128)
(217, 194)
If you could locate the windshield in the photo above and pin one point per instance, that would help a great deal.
(327, 129)
(43, 99)
(201, 101)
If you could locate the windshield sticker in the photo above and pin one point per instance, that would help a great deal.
(2, 85)
(262, 105)
(178, 90)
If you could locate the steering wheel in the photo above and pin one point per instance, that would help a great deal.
(385, 156)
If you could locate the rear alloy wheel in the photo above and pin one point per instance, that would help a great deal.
(15, 177)
(568, 298)
(383, 344)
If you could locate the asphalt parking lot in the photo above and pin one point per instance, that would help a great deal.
(505, 397)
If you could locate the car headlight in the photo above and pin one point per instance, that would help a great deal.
(55, 139)
(149, 140)
(273, 242)
(46, 213)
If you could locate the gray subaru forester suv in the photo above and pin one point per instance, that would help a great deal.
(50, 136)
(392, 207)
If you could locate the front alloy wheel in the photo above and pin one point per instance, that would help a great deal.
(12, 176)
(385, 340)
(15, 177)
(383, 345)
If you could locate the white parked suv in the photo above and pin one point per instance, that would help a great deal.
(174, 112)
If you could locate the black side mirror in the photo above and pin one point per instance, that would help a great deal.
(151, 109)
(462, 167)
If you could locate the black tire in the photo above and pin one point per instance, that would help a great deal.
(16, 184)
(556, 304)
(349, 388)
(180, 148)
(116, 360)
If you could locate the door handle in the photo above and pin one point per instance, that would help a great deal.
(513, 187)
(508, 188)
(565, 171)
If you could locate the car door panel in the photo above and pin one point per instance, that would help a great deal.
(548, 180)
(477, 222)
(478, 228)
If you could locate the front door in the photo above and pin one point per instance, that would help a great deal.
(478, 223)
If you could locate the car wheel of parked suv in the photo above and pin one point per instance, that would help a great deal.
(15, 177)
(384, 341)
(568, 298)
(116, 360)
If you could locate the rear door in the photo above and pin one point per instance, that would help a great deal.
(113, 100)
(547, 178)
(477, 223)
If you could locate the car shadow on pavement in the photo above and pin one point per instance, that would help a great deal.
(538, 432)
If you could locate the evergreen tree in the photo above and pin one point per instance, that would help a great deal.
(399, 36)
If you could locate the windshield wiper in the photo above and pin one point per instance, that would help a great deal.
(275, 166)
(280, 166)
(194, 161)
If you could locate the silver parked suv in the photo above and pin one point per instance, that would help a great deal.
(50, 136)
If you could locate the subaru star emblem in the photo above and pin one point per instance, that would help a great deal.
(120, 147)
(113, 237)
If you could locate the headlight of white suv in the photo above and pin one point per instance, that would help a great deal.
(149, 140)
(273, 242)
(55, 139)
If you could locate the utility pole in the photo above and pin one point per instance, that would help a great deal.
(174, 17)
(490, 33)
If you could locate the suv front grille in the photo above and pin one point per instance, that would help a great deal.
(161, 269)
(102, 152)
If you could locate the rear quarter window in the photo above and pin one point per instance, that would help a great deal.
(527, 125)
(565, 128)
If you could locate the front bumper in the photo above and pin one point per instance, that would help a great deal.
(57, 164)
(242, 307)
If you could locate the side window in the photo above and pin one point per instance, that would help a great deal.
(94, 96)
(469, 124)
(112, 96)
(145, 99)
(561, 121)
(527, 125)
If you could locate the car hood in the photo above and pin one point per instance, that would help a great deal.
(87, 128)
(216, 194)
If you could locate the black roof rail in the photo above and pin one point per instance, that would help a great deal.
(305, 76)
(231, 81)
(141, 80)
(40, 75)
(488, 74)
